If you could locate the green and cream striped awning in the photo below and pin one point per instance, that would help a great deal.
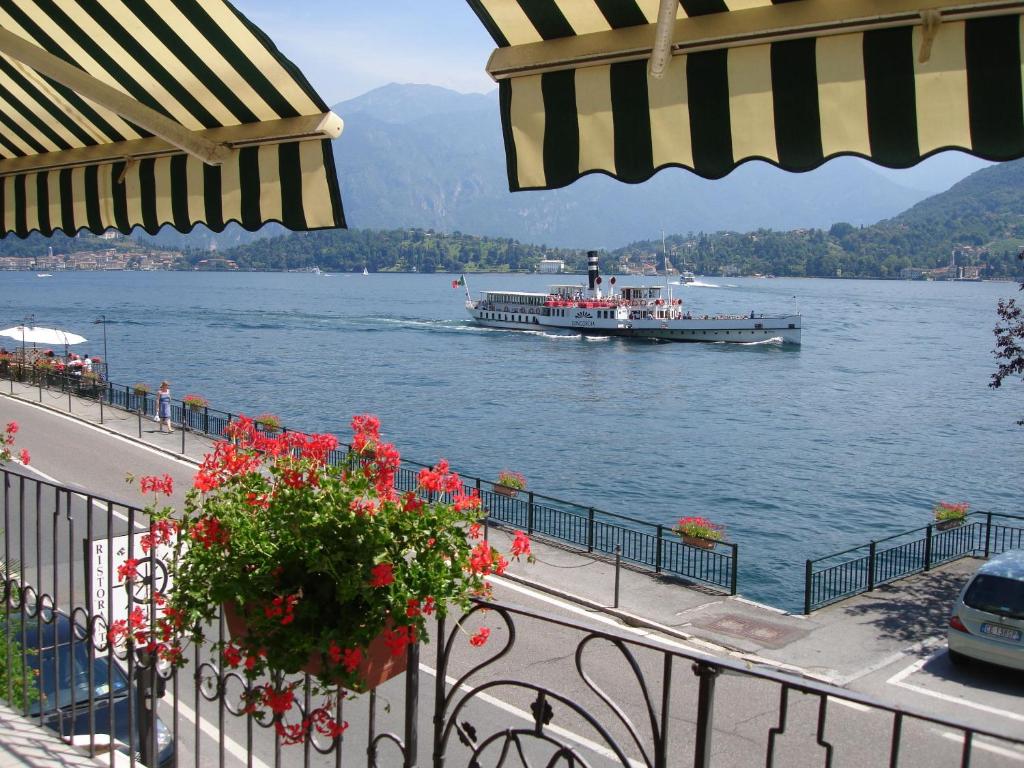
(601, 86)
(124, 113)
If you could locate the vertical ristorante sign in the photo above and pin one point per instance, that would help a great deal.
(108, 595)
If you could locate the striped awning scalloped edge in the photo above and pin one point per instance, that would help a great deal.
(71, 159)
(793, 84)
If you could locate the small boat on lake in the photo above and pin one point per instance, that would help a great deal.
(641, 311)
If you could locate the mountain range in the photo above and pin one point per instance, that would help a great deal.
(428, 157)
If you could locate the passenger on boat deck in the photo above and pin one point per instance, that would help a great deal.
(751, 314)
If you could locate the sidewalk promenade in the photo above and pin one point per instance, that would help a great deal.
(24, 743)
(837, 644)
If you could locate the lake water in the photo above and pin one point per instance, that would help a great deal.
(799, 452)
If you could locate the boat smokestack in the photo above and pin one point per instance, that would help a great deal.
(592, 270)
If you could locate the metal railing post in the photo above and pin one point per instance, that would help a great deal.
(705, 714)
(412, 697)
(871, 566)
(734, 575)
(529, 514)
(928, 547)
(808, 575)
(590, 529)
(183, 437)
(988, 533)
(103, 396)
(206, 421)
(657, 550)
(139, 412)
(618, 570)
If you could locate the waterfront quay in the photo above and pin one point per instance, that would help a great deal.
(887, 645)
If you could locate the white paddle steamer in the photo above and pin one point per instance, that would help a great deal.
(631, 311)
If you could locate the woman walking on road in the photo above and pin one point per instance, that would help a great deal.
(163, 407)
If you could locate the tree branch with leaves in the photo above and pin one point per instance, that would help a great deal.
(1009, 333)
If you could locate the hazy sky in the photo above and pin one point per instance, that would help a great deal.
(348, 47)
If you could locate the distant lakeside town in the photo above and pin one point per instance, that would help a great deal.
(764, 253)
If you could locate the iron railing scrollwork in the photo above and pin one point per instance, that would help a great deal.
(544, 691)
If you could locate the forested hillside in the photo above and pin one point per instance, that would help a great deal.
(402, 250)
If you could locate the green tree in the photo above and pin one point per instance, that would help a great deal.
(1009, 341)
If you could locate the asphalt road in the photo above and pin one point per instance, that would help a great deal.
(600, 694)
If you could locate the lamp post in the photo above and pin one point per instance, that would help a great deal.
(106, 360)
(24, 351)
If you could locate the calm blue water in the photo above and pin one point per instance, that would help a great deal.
(799, 452)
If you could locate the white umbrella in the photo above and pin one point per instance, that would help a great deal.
(38, 335)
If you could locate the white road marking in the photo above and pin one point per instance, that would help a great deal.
(898, 680)
(1001, 751)
(912, 650)
(232, 746)
(601, 618)
(134, 442)
(95, 503)
(528, 717)
(851, 704)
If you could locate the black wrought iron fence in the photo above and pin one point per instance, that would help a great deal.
(586, 528)
(861, 569)
(603, 698)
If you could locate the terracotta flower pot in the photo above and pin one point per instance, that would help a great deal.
(945, 525)
(697, 541)
(506, 490)
(377, 666)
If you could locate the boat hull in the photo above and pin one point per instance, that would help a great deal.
(729, 330)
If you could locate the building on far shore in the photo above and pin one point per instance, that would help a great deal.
(551, 266)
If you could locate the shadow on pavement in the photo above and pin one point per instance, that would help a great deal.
(976, 674)
(911, 610)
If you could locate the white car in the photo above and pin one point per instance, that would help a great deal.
(988, 618)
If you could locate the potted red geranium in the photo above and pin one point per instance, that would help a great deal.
(699, 532)
(318, 568)
(510, 483)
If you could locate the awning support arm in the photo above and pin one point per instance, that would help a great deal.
(662, 50)
(930, 21)
(100, 93)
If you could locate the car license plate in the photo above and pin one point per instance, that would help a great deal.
(998, 631)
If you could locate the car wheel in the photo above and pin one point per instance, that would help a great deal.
(958, 659)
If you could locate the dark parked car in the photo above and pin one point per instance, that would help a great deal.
(66, 690)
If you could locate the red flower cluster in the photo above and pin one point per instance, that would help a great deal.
(382, 574)
(128, 569)
(485, 560)
(7, 442)
(480, 637)
(520, 545)
(283, 608)
(160, 532)
(208, 532)
(398, 638)
(154, 484)
(350, 658)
